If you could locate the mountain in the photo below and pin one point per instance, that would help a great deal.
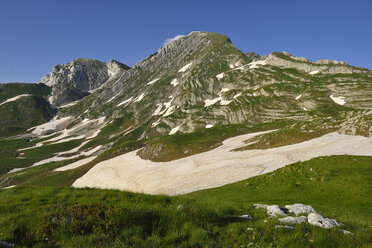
(204, 89)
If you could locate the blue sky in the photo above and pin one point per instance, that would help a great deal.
(36, 35)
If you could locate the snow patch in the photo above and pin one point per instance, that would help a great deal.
(50, 126)
(237, 95)
(170, 111)
(126, 101)
(174, 82)
(112, 98)
(139, 98)
(314, 72)
(183, 69)
(298, 97)
(220, 76)
(69, 104)
(174, 130)
(209, 102)
(157, 111)
(209, 126)
(153, 81)
(14, 98)
(339, 100)
(225, 102)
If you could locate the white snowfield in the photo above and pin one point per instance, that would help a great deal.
(214, 168)
(12, 99)
(183, 69)
(339, 100)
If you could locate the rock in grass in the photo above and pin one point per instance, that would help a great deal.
(5, 244)
(347, 232)
(299, 208)
(285, 227)
(275, 210)
(293, 220)
(321, 221)
(246, 216)
(258, 206)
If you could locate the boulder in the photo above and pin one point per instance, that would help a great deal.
(299, 208)
(346, 232)
(258, 206)
(275, 210)
(246, 216)
(293, 220)
(321, 221)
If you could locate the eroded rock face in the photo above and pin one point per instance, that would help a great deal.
(298, 209)
(73, 81)
(321, 221)
(324, 66)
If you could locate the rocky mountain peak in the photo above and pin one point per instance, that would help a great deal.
(72, 81)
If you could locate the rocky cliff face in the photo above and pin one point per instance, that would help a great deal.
(73, 81)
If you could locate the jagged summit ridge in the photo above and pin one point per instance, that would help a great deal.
(73, 81)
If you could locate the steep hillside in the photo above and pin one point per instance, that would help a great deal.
(23, 106)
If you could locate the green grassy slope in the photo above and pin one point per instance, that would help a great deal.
(337, 187)
(17, 116)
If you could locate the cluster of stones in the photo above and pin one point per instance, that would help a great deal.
(300, 211)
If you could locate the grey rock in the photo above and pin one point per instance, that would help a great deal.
(299, 208)
(321, 221)
(346, 232)
(275, 210)
(283, 227)
(246, 217)
(258, 206)
(293, 220)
